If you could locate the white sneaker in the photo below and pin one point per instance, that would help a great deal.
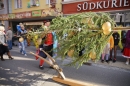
(20, 47)
(25, 54)
(127, 63)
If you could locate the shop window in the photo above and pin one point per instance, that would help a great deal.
(119, 17)
(34, 2)
(127, 17)
(18, 3)
(1, 4)
(51, 3)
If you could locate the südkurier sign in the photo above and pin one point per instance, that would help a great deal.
(103, 4)
(96, 5)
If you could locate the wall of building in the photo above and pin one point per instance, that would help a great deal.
(5, 11)
(10, 6)
(43, 5)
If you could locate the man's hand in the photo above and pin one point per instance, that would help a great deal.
(5, 45)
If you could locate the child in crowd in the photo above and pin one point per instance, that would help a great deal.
(116, 38)
(55, 44)
(107, 48)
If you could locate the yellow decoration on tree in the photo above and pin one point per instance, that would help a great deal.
(84, 20)
(70, 53)
(71, 33)
(92, 55)
(90, 21)
(107, 32)
(106, 28)
(39, 41)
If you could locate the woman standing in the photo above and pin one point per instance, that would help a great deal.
(3, 45)
(126, 52)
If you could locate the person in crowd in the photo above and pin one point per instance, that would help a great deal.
(126, 52)
(116, 38)
(9, 38)
(23, 43)
(123, 39)
(3, 45)
(55, 44)
(28, 37)
(47, 45)
(107, 49)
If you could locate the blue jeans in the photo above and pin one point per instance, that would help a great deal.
(25, 42)
(22, 47)
(9, 44)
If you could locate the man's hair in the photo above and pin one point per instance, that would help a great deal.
(9, 27)
(1, 25)
(46, 21)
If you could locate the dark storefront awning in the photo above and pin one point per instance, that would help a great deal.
(32, 19)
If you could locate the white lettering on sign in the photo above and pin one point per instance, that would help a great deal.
(27, 14)
(120, 3)
(20, 15)
(99, 5)
(90, 6)
(85, 6)
(103, 4)
(79, 7)
(126, 3)
(114, 3)
(5, 17)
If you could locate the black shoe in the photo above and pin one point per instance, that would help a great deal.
(2, 60)
(107, 61)
(11, 58)
(110, 59)
(114, 60)
(102, 61)
(41, 67)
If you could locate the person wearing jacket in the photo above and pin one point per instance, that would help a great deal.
(116, 38)
(126, 52)
(47, 45)
(9, 36)
(3, 46)
(23, 43)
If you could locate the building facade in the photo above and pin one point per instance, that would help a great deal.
(119, 9)
(29, 5)
(4, 10)
(31, 12)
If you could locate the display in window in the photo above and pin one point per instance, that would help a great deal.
(32, 3)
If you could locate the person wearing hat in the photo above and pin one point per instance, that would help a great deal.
(47, 45)
(3, 46)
